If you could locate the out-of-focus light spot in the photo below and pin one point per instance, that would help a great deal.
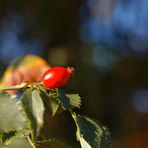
(91, 3)
(11, 45)
(58, 56)
(97, 28)
(103, 59)
(33, 46)
(92, 32)
(140, 101)
(124, 17)
(89, 32)
(130, 20)
(124, 23)
(131, 17)
(138, 44)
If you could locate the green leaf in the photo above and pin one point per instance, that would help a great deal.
(54, 103)
(12, 117)
(74, 99)
(15, 87)
(18, 143)
(50, 143)
(1, 139)
(34, 107)
(105, 140)
(50, 98)
(8, 138)
(38, 109)
(58, 101)
(68, 101)
(89, 133)
(42, 89)
(63, 99)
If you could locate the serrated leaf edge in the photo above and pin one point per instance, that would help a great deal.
(21, 110)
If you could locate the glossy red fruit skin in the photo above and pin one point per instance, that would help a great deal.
(56, 77)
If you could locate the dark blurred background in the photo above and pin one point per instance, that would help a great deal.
(106, 41)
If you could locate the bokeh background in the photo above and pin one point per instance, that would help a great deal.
(106, 41)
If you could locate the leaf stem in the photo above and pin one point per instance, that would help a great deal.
(73, 114)
(15, 87)
(31, 143)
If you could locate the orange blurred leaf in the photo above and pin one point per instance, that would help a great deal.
(26, 68)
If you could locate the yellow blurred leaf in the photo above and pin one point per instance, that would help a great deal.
(26, 68)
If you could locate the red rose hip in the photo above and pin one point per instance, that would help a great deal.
(56, 77)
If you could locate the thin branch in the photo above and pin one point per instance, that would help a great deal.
(31, 143)
(15, 87)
